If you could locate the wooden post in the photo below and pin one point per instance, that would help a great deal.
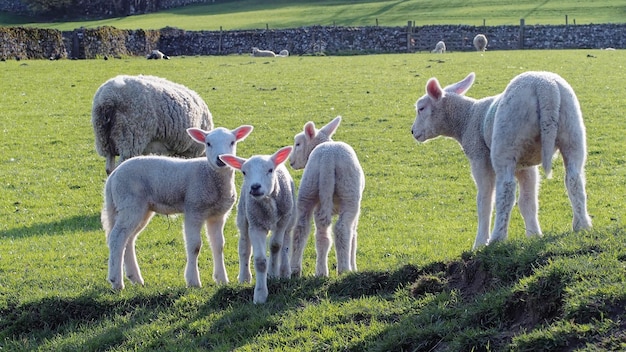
(566, 20)
(219, 43)
(521, 33)
(409, 36)
(377, 22)
(484, 22)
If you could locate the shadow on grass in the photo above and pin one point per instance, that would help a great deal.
(79, 223)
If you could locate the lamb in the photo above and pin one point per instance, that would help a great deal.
(134, 115)
(267, 203)
(505, 137)
(201, 188)
(256, 52)
(332, 183)
(157, 55)
(480, 42)
(284, 53)
(440, 48)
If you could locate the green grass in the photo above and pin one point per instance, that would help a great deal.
(417, 289)
(250, 14)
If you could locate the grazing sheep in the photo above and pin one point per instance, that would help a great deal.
(262, 53)
(201, 188)
(332, 183)
(267, 203)
(440, 48)
(134, 115)
(505, 137)
(283, 53)
(157, 55)
(480, 42)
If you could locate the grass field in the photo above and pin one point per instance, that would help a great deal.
(418, 287)
(249, 14)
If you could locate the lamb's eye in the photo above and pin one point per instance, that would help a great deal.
(243, 172)
(232, 143)
(208, 144)
(270, 171)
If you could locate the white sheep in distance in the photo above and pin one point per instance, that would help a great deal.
(480, 42)
(135, 115)
(267, 203)
(332, 183)
(256, 52)
(201, 188)
(505, 137)
(284, 53)
(440, 48)
(157, 55)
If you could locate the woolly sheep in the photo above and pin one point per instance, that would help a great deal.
(440, 48)
(332, 183)
(505, 137)
(283, 53)
(256, 52)
(267, 203)
(157, 55)
(201, 188)
(134, 115)
(480, 42)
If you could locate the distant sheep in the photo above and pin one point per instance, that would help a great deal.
(201, 188)
(267, 203)
(134, 115)
(332, 183)
(505, 137)
(157, 55)
(283, 53)
(480, 42)
(440, 48)
(256, 52)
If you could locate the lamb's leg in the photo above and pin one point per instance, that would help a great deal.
(130, 256)
(301, 235)
(528, 201)
(484, 178)
(126, 225)
(345, 238)
(193, 244)
(354, 243)
(258, 238)
(323, 239)
(575, 184)
(215, 232)
(505, 200)
(276, 264)
(245, 251)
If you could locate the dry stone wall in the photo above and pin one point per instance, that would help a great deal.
(331, 40)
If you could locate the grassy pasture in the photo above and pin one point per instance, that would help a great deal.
(250, 14)
(418, 212)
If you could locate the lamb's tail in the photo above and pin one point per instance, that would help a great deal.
(549, 104)
(109, 211)
(326, 192)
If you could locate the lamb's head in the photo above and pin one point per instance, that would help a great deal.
(219, 141)
(259, 172)
(307, 140)
(430, 121)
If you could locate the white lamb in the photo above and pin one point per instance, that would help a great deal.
(134, 115)
(256, 52)
(505, 137)
(201, 188)
(332, 183)
(440, 48)
(480, 42)
(284, 53)
(267, 203)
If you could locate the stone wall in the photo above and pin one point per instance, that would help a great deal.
(331, 40)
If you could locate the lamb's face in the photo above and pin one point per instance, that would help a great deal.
(424, 127)
(259, 173)
(219, 141)
(301, 151)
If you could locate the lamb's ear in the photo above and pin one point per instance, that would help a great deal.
(232, 161)
(433, 89)
(242, 132)
(281, 155)
(331, 127)
(197, 135)
(309, 130)
(462, 87)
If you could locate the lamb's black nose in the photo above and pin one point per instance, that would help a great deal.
(219, 162)
(255, 190)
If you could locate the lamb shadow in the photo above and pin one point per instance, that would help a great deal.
(79, 223)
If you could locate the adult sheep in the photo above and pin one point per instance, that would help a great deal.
(505, 137)
(134, 115)
(480, 42)
(256, 52)
(332, 183)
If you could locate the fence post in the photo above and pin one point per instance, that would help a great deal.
(409, 36)
(566, 20)
(522, 23)
(219, 43)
